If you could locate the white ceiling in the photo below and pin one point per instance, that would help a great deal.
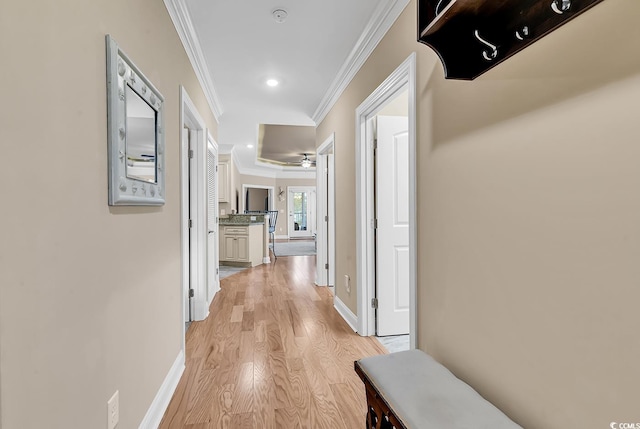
(237, 46)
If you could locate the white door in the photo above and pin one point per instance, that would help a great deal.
(392, 234)
(190, 137)
(213, 281)
(302, 212)
(331, 233)
(325, 221)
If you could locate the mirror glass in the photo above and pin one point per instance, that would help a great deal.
(141, 144)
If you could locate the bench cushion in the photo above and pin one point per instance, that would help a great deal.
(424, 394)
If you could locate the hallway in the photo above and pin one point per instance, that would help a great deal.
(273, 353)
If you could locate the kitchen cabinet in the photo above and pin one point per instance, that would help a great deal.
(241, 245)
(224, 182)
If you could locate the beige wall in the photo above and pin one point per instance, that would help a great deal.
(528, 208)
(85, 309)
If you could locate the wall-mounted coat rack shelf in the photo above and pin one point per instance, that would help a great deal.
(472, 36)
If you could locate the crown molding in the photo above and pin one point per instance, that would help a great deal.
(182, 22)
(381, 21)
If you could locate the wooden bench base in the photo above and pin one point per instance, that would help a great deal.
(379, 414)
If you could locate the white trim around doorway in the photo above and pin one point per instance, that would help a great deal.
(191, 119)
(403, 78)
(270, 189)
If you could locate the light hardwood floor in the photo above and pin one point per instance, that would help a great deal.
(273, 353)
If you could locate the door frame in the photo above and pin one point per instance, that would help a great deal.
(311, 228)
(404, 77)
(270, 189)
(326, 200)
(190, 118)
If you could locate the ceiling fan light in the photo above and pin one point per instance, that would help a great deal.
(306, 162)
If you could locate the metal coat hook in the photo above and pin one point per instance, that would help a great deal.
(523, 33)
(489, 56)
(439, 4)
(560, 6)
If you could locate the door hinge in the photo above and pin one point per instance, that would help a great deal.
(326, 218)
(217, 270)
(326, 266)
(216, 168)
(190, 223)
(374, 303)
(190, 153)
(374, 223)
(191, 293)
(375, 144)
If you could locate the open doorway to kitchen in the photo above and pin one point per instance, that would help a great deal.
(198, 158)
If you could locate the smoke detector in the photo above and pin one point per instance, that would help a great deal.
(279, 15)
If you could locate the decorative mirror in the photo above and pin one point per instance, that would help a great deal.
(135, 119)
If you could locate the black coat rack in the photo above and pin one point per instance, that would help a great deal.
(472, 36)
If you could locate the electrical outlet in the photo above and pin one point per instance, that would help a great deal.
(113, 411)
(347, 283)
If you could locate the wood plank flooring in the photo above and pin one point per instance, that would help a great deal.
(273, 353)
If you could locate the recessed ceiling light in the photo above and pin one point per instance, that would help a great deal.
(272, 82)
(250, 146)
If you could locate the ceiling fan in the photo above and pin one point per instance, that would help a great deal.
(305, 162)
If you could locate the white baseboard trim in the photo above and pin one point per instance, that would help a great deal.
(346, 313)
(163, 397)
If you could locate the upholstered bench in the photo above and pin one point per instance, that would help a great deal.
(410, 390)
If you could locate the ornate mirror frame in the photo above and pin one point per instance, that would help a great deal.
(127, 187)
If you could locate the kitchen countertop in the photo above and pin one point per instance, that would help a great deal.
(227, 223)
(242, 220)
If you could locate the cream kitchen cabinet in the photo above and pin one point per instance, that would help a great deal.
(241, 245)
(224, 182)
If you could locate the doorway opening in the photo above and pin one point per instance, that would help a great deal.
(257, 198)
(302, 211)
(199, 211)
(385, 207)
